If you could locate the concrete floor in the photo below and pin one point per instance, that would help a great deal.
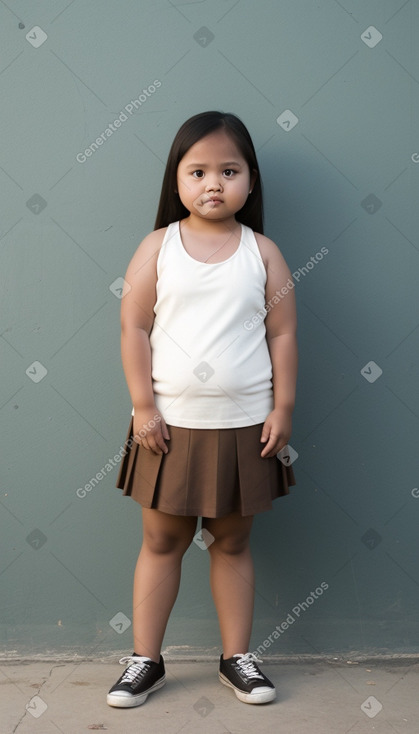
(312, 698)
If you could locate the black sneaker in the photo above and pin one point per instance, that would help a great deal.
(247, 681)
(140, 678)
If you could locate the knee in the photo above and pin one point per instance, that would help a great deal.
(166, 543)
(230, 544)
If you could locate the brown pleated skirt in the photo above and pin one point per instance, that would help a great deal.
(206, 473)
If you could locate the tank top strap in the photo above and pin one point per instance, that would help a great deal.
(251, 246)
(171, 246)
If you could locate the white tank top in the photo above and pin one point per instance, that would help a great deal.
(208, 369)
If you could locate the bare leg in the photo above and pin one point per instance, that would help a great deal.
(157, 577)
(232, 580)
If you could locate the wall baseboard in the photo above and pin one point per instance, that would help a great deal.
(171, 656)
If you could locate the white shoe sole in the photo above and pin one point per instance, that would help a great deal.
(265, 694)
(128, 701)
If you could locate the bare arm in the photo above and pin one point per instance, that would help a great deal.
(137, 317)
(281, 326)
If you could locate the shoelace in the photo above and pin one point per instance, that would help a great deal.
(246, 663)
(136, 670)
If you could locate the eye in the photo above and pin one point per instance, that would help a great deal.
(229, 172)
(195, 173)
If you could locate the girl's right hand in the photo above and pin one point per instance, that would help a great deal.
(150, 430)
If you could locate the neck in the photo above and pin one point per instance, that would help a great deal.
(210, 226)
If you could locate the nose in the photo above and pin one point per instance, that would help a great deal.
(213, 185)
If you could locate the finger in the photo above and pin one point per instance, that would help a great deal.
(266, 450)
(150, 447)
(144, 443)
(270, 448)
(165, 430)
(157, 443)
(160, 445)
(265, 433)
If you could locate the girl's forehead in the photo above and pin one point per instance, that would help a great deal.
(218, 142)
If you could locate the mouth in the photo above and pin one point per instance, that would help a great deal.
(205, 204)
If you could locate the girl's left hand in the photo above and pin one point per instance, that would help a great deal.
(276, 431)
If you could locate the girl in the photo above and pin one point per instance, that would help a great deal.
(210, 358)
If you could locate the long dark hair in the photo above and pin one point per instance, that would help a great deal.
(171, 208)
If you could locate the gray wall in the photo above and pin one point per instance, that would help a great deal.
(344, 178)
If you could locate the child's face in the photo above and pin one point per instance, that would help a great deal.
(213, 178)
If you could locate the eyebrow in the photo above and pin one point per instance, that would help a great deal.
(203, 165)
